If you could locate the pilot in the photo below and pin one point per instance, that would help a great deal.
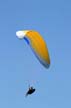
(30, 91)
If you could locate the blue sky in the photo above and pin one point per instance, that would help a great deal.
(19, 66)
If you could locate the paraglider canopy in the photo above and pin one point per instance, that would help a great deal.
(37, 44)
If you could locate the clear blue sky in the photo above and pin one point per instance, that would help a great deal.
(19, 66)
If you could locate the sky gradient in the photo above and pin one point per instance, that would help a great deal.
(18, 65)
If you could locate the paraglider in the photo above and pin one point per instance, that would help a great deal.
(37, 44)
(30, 91)
(39, 48)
